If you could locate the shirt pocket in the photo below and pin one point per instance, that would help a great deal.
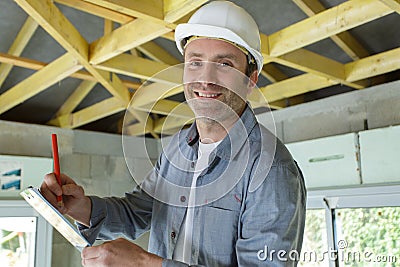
(221, 226)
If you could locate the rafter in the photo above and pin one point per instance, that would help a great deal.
(135, 130)
(151, 93)
(168, 107)
(151, 10)
(37, 65)
(145, 121)
(393, 4)
(166, 124)
(272, 73)
(39, 81)
(61, 29)
(307, 61)
(354, 71)
(87, 115)
(97, 10)
(295, 86)
(157, 53)
(176, 9)
(325, 24)
(20, 42)
(133, 66)
(76, 98)
(124, 38)
(374, 65)
(314, 63)
(344, 40)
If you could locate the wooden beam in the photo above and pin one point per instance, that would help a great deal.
(37, 65)
(272, 73)
(144, 120)
(354, 71)
(141, 68)
(335, 20)
(97, 10)
(133, 66)
(393, 4)
(157, 53)
(168, 107)
(176, 9)
(374, 65)
(295, 86)
(95, 112)
(136, 129)
(61, 29)
(344, 40)
(265, 48)
(151, 10)
(287, 102)
(307, 61)
(39, 81)
(169, 36)
(76, 98)
(108, 26)
(314, 63)
(124, 38)
(165, 124)
(20, 42)
(151, 93)
(57, 25)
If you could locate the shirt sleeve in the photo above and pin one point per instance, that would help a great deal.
(272, 221)
(113, 217)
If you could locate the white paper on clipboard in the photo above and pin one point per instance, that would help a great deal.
(54, 217)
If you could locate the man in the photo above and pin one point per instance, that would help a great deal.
(225, 192)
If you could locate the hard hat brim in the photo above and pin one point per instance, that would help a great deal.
(186, 30)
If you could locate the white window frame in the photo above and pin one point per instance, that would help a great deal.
(44, 231)
(356, 197)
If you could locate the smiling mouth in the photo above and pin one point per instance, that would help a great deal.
(207, 95)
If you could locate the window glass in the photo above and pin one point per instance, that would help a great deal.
(17, 237)
(368, 236)
(315, 244)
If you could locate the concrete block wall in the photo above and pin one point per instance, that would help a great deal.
(95, 160)
(359, 112)
(355, 111)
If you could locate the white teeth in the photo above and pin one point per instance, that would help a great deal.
(207, 95)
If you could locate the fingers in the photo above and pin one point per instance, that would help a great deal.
(96, 256)
(73, 190)
(50, 183)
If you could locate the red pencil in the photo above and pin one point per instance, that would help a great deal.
(56, 165)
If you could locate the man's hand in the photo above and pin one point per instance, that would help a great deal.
(76, 204)
(119, 252)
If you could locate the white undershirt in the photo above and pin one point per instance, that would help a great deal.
(183, 247)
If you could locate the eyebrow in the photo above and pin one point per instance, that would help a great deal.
(219, 56)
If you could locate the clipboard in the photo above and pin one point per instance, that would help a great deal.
(54, 217)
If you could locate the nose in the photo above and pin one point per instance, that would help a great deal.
(208, 74)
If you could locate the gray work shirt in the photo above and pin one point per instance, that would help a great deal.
(250, 203)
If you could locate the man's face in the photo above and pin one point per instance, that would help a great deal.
(215, 84)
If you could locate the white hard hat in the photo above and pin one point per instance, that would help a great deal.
(223, 20)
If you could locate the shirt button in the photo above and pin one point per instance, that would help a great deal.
(173, 235)
(183, 198)
(192, 164)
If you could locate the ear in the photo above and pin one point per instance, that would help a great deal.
(252, 81)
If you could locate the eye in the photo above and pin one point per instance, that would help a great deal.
(225, 64)
(195, 63)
